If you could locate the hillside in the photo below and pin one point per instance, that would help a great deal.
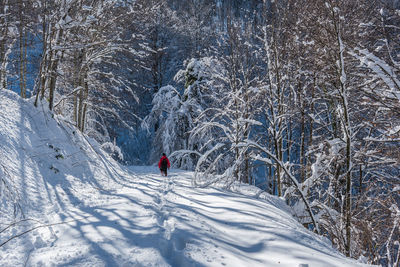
(75, 206)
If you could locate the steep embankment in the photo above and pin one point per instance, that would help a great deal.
(75, 206)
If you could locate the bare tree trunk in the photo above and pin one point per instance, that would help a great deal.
(78, 61)
(22, 51)
(53, 68)
(3, 46)
(75, 115)
(303, 134)
(85, 95)
(40, 85)
(81, 99)
(273, 184)
(53, 55)
(311, 126)
(84, 90)
(346, 123)
(279, 97)
(246, 115)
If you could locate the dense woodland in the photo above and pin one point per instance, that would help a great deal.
(300, 98)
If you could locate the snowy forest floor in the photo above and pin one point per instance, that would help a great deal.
(77, 207)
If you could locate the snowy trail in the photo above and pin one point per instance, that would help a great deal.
(149, 220)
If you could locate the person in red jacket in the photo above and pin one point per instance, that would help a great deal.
(164, 164)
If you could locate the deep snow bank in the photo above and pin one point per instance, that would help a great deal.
(36, 150)
(65, 202)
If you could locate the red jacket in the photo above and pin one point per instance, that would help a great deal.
(159, 163)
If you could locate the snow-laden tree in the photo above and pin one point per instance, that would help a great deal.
(342, 150)
(163, 121)
(86, 47)
(333, 117)
(7, 39)
(377, 158)
(163, 28)
(228, 120)
(174, 114)
(17, 20)
(277, 84)
(198, 16)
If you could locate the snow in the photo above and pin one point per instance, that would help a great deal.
(381, 69)
(95, 212)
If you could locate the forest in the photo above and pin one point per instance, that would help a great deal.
(299, 98)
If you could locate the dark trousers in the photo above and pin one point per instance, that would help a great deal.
(164, 172)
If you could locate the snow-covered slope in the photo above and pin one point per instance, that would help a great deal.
(75, 206)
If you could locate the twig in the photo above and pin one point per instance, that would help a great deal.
(14, 223)
(40, 226)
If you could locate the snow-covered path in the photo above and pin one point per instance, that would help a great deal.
(64, 202)
(148, 220)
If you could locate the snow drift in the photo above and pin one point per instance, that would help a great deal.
(63, 201)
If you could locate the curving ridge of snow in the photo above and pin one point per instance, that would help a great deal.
(75, 206)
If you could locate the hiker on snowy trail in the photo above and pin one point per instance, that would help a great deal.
(164, 164)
